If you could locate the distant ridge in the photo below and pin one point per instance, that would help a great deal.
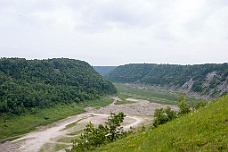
(208, 80)
(104, 70)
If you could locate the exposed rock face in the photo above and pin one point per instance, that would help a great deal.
(209, 78)
(224, 86)
(187, 85)
(212, 83)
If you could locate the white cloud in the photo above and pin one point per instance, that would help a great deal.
(116, 32)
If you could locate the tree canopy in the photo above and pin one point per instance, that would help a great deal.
(25, 84)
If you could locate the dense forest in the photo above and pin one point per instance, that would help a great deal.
(25, 84)
(104, 70)
(204, 79)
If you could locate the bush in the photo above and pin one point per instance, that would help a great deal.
(184, 107)
(94, 137)
(162, 116)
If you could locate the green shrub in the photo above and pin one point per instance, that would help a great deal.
(94, 137)
(162, 116)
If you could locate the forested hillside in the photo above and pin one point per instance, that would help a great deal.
(205, 79)
(25, 84)
(104, 70)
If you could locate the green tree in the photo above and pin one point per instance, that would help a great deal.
(183, 105)
(93, 137)
(160, 117)
(114, 125)
(171, 114)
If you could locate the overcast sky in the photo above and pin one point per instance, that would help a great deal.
(114, 32)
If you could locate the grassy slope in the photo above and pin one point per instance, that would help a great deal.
(16, 125)
(203, 130)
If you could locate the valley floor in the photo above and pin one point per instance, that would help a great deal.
(58, 136)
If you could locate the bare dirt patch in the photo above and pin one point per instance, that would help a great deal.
(138, 107)
(8, 147)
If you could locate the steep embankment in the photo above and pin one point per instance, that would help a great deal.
(204, 79)
(25, 84)
(203, 130)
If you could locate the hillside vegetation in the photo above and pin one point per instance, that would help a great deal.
(205, 129)
(26, 84)
(204, 79)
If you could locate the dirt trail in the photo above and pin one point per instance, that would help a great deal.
(34, 141)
